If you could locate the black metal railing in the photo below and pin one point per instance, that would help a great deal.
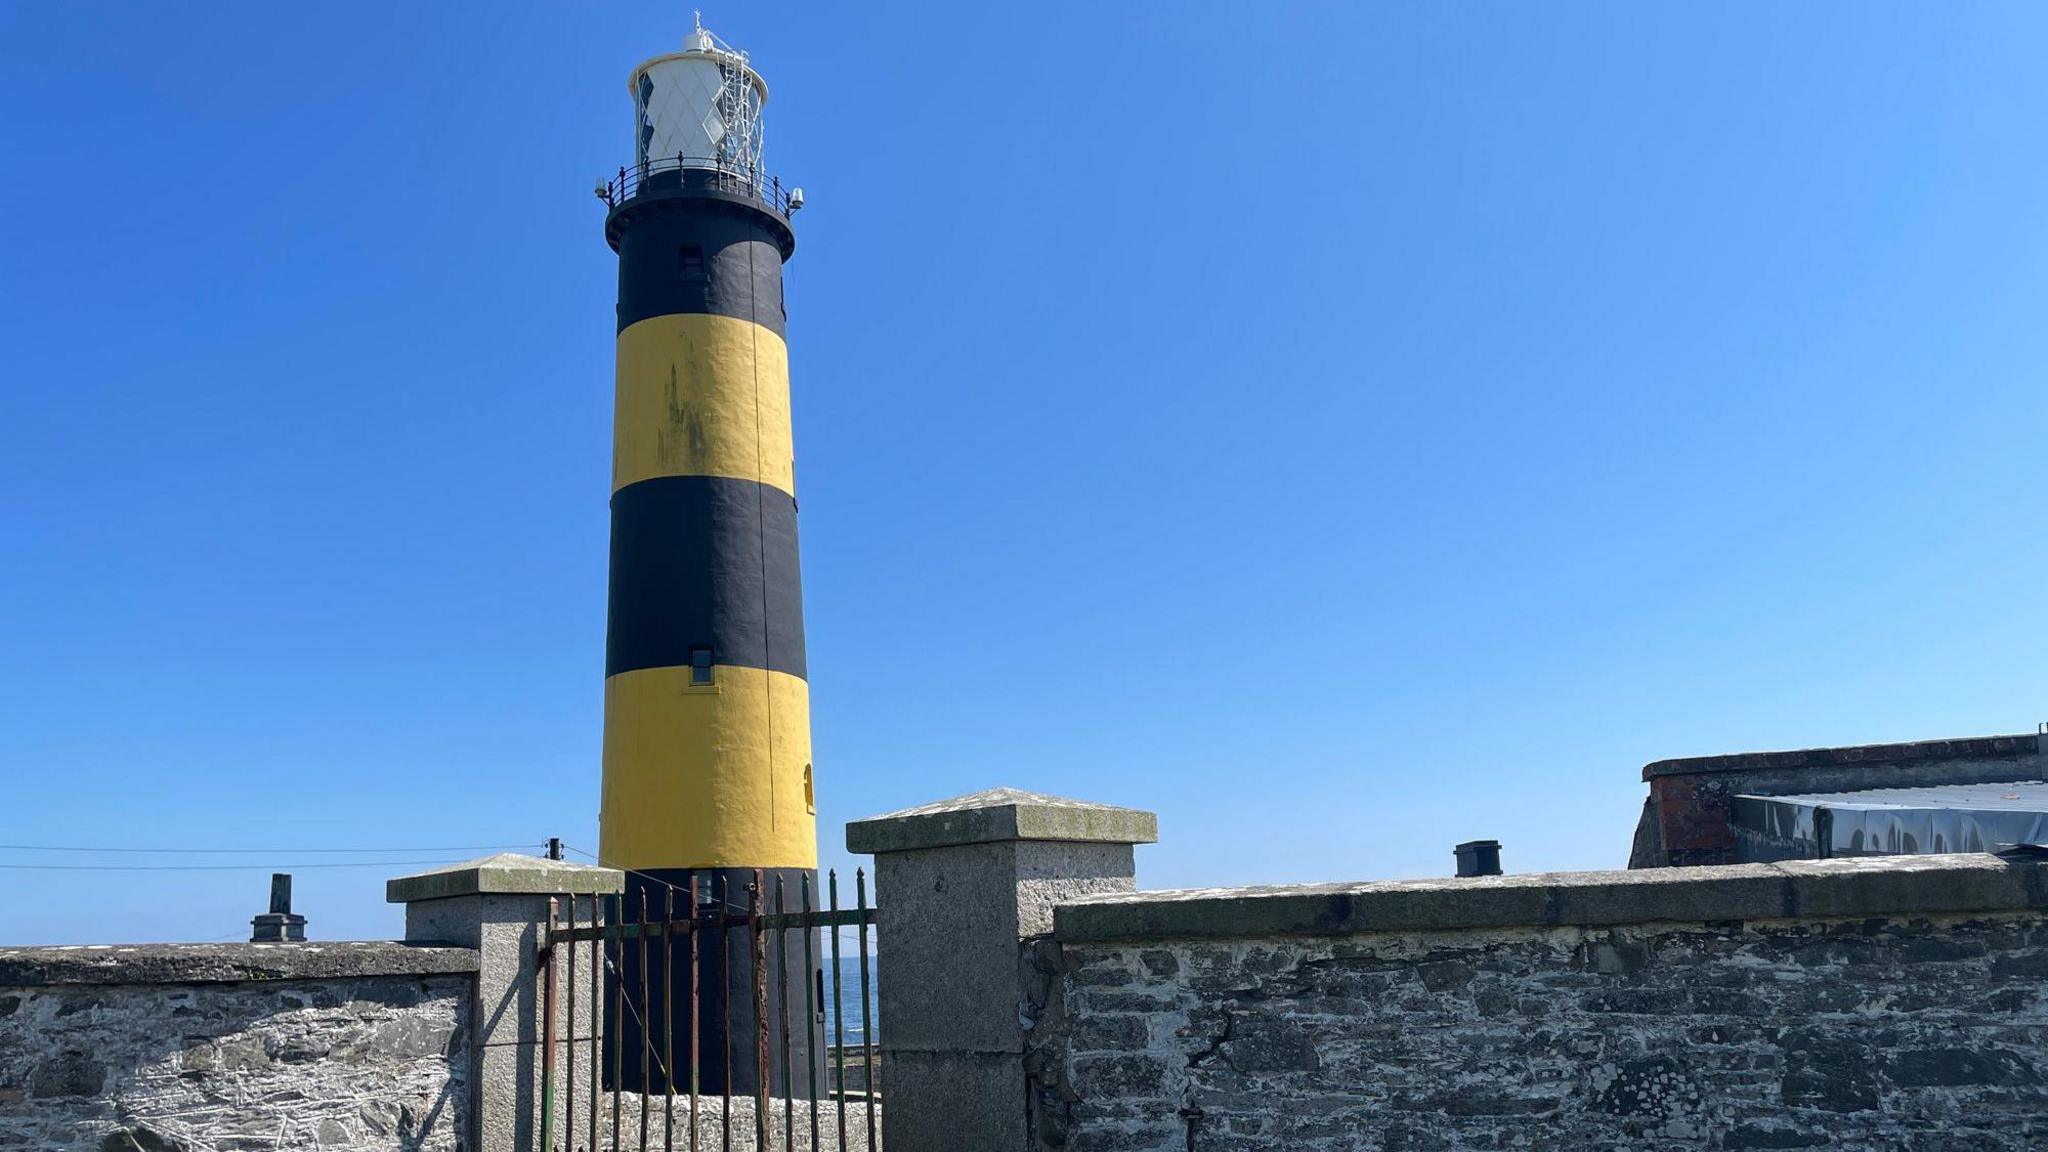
(599, 946)
(679, 171)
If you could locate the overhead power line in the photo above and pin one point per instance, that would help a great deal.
(838, 929)
(257, 851)
(223, 867)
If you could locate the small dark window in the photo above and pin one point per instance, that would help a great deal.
(700, 665)
(691, 260)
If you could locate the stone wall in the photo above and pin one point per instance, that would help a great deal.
(226, 1047)
(1896, 1003)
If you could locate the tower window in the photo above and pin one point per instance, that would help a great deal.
(690, 261)
(810, 798)
(700, 665)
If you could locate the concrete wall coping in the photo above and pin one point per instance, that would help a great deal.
(1866, 886)
(507, 872)
(225, 963)
(1967, 748)
(1000, 814)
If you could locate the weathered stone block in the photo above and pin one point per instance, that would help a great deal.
(1866, 1031)
(233, 1064)
(961, 884)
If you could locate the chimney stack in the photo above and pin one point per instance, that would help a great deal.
(1479, 858)
(279, 925)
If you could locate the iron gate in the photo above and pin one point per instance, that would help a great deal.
(606, 950)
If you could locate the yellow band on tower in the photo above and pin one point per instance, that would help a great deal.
(702, 395)
(707, 775)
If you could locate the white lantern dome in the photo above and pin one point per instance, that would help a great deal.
(699, 108)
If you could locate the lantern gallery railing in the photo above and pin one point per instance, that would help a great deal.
(659, 173)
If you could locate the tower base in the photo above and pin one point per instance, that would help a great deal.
(660, 1009)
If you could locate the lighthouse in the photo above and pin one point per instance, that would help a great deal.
(708, 790)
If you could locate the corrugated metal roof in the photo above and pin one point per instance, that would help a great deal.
(1893, 821)
(2014, 796)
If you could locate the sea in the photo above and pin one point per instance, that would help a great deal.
(849, 1004)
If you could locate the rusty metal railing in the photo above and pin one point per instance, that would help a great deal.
(697, 172)
(597, 953)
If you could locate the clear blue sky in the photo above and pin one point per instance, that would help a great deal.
(1344, 429)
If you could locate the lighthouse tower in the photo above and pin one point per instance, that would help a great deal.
(707, 732)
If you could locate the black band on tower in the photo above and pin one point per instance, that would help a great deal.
(704, 561)
(696, 261)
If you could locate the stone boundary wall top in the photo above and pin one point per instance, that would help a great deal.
(225, 963)
(507, 873)
(1811, 889)
(1000, 815)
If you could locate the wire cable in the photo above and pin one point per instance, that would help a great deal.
(761, 518)
(701, 902)
(222, 867)
(262, 851)
(839, 930)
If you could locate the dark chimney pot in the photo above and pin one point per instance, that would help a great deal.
(1479, 858)
(279, 925)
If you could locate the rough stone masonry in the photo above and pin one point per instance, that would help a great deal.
(198, 1048)
(1872, 1004)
